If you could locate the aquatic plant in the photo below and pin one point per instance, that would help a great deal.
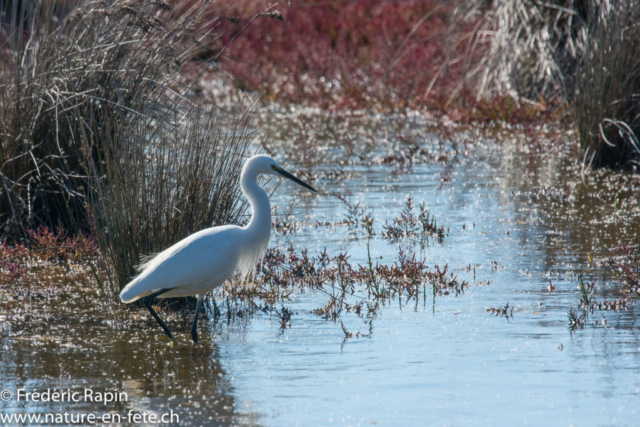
(502, 311)
(79, 90)
(626, 263)
(284, 316)
(348, 287)
(283, 222)
(576, 320)
(587, 305)
(608, 76)
(588, 302)
(355, 212)
(409, 225)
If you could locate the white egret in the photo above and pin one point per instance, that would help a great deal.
(204, 260)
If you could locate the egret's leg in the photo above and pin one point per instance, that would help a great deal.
(147, 303)
(194, 327)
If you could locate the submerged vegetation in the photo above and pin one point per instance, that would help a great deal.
(409, 225)
(350, 288)
(625, 264)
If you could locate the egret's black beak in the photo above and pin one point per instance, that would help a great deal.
(293, 178)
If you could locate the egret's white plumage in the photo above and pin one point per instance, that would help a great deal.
(183, 269)
(204, 260)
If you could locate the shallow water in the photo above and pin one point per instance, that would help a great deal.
(518, 218)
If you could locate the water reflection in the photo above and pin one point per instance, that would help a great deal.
(188, 380)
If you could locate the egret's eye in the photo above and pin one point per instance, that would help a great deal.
(274, 167)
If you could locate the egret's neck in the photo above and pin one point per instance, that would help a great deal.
(260, 206)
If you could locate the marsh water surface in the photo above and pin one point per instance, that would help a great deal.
(516, 221)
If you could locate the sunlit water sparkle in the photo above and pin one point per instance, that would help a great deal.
(446, 361)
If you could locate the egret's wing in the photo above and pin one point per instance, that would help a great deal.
(199, 262)
(145, 261)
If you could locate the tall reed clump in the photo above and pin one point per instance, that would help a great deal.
(163, 182)
(532, 50)
(607, 102)
(96, 131)
(581, 53)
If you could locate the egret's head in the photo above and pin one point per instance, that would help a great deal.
(262, 164)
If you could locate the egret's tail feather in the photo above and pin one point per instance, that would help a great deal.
(131, 292)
